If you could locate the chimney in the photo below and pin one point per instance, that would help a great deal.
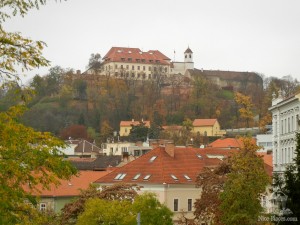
(170, 148)
(78, 72)
(153, 143)
(132, 120)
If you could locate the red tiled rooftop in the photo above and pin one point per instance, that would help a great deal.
(229, 143)
(71, 187)
(204, 122)
(184, 162)
(121, 54)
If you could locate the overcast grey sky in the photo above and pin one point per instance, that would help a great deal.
(240, 35)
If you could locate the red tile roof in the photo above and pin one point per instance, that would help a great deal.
(184, 162)
(71, 187)
(120, 54)
(204, 122)
(229, 143)
(134, 123)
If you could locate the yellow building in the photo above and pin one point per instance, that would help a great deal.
(207, 127)
(125, 126)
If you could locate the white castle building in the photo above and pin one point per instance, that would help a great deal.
(135, 64)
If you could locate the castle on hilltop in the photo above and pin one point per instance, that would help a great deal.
(134, 64)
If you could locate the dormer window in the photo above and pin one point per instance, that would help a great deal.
(136, 176)
(120, 176)
(157, 61)
(123, 59)
(153, 158)
(174, 177)
(147, 177)
(129, 59)
(187, 177)
(199, 156)
(138, 60)
(151, 60)
(143, 60)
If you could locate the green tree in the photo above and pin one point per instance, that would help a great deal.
(27, 158)
(119, 192)
(17, 51)
(151, 210)
(94, 63)
(240, 202)
(123, 212)
(99, 211)
(139, 132)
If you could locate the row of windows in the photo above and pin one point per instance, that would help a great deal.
(189, 205)
(150, 68)
(139, 60)
(287, 125)
(286, 155)
(190, 56)
(133, 75)
(121, 176)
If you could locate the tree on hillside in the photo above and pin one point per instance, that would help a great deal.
(94, 63)
(80, 88)
(240, 203)
(246, 107)
(139, 132)
(74, 131)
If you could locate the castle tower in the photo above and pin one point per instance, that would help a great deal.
(188, 55)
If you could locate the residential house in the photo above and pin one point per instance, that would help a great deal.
(125, 126)
(285, 121)
(81, 148)
(207, 127)
(170, 172)
(55, 198)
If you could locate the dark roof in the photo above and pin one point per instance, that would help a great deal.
(100, 163)
(84, 146)
(188, 50)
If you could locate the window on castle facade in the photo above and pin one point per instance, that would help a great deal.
(127, 67)
(138, 67)
(132, 67)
